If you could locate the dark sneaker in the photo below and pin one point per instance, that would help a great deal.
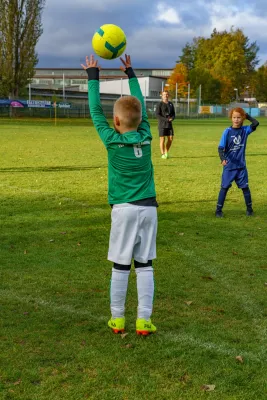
(250, 213)
(218, 214)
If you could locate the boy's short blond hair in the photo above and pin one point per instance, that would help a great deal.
(129, 111)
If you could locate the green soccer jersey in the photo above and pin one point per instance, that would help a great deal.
(130, 169)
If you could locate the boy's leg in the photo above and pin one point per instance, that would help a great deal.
(162, 145)
(248, 200)
(118, 292)
(121, 243)
(221, 200)
(227, 179)
(242, 182)
(144, 252)
(169, 143)
(145, 289)
(145, 292)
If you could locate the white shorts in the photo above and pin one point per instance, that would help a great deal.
(133, 233)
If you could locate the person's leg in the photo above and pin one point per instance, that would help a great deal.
(145, 288)
(145, 292)
(169, 143)
(144, 251)
(118, 292)
(227, 179)
(122, 240)
(248, 200)
(162, 145)
(220, 202)
(242, 183)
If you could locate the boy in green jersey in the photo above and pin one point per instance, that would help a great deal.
(131, 193)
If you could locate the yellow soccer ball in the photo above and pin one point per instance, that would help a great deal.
(109, 41)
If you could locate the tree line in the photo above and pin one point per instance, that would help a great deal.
(222, 66)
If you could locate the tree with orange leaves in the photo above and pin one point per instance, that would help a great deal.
(179, 79)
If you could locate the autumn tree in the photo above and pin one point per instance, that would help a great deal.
(210, 86)
(259, 84)
(179, 80)
(20, 30)
(228, 57)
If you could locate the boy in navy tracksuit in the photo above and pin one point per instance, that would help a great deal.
(232, 148)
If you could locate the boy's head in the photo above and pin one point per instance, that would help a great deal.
(165, 96)
(127, 114)
(237, 116)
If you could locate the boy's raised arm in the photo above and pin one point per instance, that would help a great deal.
(254, 122)
(99, 120)
(135, 90)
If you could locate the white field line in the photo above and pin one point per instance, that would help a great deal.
(242, 299)
(223, 349)
(34, 301)
(171, 337)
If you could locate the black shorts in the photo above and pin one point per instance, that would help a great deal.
(166, 132)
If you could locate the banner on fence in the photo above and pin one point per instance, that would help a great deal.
(63, 105)
(4, 103)
(39, 103)
(205, 110)
(17, 104)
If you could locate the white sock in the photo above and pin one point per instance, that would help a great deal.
(145, 291)
(118, 291)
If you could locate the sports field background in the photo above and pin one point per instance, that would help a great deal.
(210, 274)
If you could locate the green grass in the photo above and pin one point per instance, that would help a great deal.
(211, 274)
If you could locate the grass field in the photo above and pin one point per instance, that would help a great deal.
(211, 274)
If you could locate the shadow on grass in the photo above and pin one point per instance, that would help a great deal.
(62, 168)
(177, 202)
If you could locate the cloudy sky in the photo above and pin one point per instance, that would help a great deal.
(156, 30)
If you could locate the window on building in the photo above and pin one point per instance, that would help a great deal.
(79, 81)
(46, 81)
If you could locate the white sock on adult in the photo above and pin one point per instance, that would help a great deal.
(145, 291)
(118, 291)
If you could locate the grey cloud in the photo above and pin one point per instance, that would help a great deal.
(69, 26)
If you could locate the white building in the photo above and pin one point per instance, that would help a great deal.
(150, 86)
(112, 82)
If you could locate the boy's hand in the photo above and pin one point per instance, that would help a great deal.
(224, 162)
(126, 63)
(90, 63)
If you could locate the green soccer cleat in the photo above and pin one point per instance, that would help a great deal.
(117, 324)
(144, 327)
(164, 156)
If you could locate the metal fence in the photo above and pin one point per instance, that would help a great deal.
(81, 110)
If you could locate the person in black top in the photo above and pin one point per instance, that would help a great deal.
(165, 114)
